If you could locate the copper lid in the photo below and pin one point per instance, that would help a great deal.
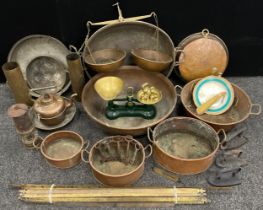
(202, 54)
(49, 105)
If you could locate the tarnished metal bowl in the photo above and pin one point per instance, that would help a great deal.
(241, 109)
(117, 160)
(134, 77)
(151, 60)
(42, 60)
(184, 145)
(61, 149)
(105, 60)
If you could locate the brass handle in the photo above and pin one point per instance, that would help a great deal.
(176, 87)
(223, 141)
(83, 156)
(37, 142)
(149, 133)
(258, 112)
(150, 152)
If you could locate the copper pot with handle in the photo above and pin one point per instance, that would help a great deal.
(185, 145)
(51, 109)
(61, 149)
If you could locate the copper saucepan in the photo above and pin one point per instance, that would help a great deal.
(185, 145)
(61, 149)
(117, 160)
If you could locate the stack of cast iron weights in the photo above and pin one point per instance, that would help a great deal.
(131, 95)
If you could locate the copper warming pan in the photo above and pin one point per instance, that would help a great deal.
(187, 159)
(201, 54)
(129, 36)
(135, 77)
(241, 109)
(117, 160)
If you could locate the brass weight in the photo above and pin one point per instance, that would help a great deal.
(76, 73)
(17, 83)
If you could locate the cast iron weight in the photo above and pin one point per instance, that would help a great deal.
(225, 177)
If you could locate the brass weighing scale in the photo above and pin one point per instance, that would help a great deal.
(108, 88)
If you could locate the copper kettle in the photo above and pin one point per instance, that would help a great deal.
(51, 108)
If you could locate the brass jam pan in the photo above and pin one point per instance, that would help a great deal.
(200, 55)
(61, 149)
(35, 51)
(117, 160)
(180, 147)
(132, 76)
(151, 60)
(241, 109)
(105, 60)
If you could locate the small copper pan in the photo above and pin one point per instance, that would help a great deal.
(185, 145)
(117, 160)
(61, 149)
(241, 109)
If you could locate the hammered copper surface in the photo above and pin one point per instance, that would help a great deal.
(239, 111)
(151, 60)
(117, 160)
(202, 56)
(128, 36)
(62, 149)
(31, 47)
(132, 77)
(179, 165)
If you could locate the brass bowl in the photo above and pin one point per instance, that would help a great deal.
(105, 60)
(241, 109)
(134, 77)
(108, 88)
(151, 60)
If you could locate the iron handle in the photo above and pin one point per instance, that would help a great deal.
(258, 112)
(37, 142)
(149, 133)
(151, 150)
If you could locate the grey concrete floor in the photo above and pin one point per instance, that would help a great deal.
(19, 165)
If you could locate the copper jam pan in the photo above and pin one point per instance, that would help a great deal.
(132, 77)
(184, 166)
(37, 50)
(117, 160)
(201, 54)
(129, 36)
(61, 149)
(241, 109)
